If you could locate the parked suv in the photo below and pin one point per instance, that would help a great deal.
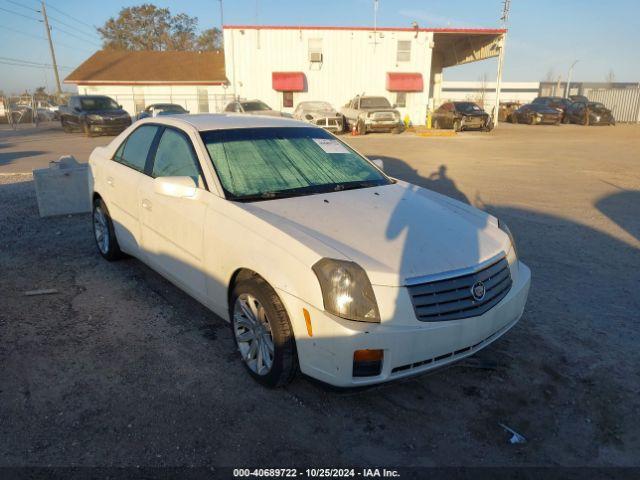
(371, 114)
(94, 115)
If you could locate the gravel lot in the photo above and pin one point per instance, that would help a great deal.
(121, 368)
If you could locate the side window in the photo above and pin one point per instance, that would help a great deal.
(174, 157)
(133, 153)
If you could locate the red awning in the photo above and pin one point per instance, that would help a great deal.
(288, 81)
(404, 82)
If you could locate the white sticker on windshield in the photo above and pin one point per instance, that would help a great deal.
(330, 145)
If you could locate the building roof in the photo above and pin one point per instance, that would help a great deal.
(120, 67)
(381, 29)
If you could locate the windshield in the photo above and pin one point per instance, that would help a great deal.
(467, 107)
(98, 103)
(316, 106)
(374, 102)
(266, 163)
(255, 106)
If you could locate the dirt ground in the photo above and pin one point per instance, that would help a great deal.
(120, 368)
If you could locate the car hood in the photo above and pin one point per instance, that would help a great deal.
(395, 232)
(370, 110)
(321, 113)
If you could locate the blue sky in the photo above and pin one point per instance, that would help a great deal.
(545, 37)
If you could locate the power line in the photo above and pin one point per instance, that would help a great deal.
(22, 6)
(72, 26)
(31, 62)
(20, 14)
(39, 37)
(76, 36)
(69, 16)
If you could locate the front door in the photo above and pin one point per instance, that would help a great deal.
(173, 228)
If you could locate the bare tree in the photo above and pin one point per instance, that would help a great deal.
(551, 76)
(482, 91)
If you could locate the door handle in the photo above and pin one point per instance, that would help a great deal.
(146, 204)
(110, 181)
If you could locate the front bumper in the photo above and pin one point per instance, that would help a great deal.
(410, 347)
(110, 128)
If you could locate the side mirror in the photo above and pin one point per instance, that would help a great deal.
(177, 187)
(119, 106)
(378, 162)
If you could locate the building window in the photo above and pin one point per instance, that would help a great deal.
(287, 99)
(404, 51)
(315, 50)
(203, 100)
(401, 99)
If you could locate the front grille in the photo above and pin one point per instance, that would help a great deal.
(384, 116)
(328, 122)
(452, 298)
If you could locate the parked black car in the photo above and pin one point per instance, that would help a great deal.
(461, 116)
(536, 114)
(590, 113)
(559, 103)
(162, 109)
(94, 115)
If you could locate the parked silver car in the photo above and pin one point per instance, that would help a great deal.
(320, 113)
(253, 107)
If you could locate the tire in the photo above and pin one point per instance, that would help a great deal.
(361, 128)
(530, 121)
(457, 126)
(104, 233)
(257, 318)
(565, 119)
(65, 128)
(436, 124)
(514, 119)
(397, 130)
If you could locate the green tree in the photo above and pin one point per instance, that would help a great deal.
(147, 27)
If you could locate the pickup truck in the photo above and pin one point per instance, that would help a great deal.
(371, 114)
(94, 115)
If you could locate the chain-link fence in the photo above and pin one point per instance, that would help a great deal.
(26, 109)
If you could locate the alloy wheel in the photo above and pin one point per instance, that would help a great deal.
(101, 229)
(253, 334)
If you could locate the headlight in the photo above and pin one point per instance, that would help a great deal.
(346, 290)
(503, 226)
(94, 118)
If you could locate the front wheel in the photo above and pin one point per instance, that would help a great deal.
(457, 126)
(263, 333)
(104, 233)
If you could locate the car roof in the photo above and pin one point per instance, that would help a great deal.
(225, 121)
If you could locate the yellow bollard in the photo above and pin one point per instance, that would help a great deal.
(429, 120)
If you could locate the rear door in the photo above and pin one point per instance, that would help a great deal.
(173, 228)
(122, 177)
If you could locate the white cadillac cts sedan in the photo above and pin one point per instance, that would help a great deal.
(320, 261)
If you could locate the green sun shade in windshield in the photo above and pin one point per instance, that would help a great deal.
(270, 160)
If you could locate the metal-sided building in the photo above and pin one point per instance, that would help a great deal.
(284, 65)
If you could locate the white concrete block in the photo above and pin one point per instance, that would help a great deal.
(63, 188)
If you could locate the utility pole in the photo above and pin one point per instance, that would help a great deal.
(505, 16)
(221, 16)
(53, 53)
(566, 88)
